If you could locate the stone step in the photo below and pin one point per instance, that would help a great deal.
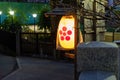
(97, 75)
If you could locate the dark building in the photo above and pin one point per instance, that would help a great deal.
(44, 1)
(13, 0)
(38, 0)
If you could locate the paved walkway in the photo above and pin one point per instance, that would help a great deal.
(39, 69)
(7, 65)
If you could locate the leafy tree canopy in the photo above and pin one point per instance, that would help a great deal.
(44, 22)
(11, 24)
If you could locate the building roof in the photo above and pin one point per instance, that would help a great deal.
(61, 11)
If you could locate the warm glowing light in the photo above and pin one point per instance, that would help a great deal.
(66, 33)
(0, 12)
(34, 15)
(11, 12)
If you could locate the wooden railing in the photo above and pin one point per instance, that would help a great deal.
(38, 44)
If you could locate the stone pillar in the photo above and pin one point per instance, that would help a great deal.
(97, 56)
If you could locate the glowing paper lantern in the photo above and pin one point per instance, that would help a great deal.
(66, 33)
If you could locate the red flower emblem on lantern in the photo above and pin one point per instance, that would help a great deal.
(65, 33)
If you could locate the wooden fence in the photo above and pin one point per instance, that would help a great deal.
(110, 36)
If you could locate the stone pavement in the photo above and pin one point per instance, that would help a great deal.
(41, 69)
(7, 65)
(37, 69)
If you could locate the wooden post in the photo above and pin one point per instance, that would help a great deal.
(75, 50)
(94, 21)
(113, 35)
(18, 43)
(37, 44)
(82, 17)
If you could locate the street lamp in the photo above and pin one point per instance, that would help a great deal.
(12, 14)
(34, 16)
(0, 17)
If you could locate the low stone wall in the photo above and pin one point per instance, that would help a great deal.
(102, 56)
